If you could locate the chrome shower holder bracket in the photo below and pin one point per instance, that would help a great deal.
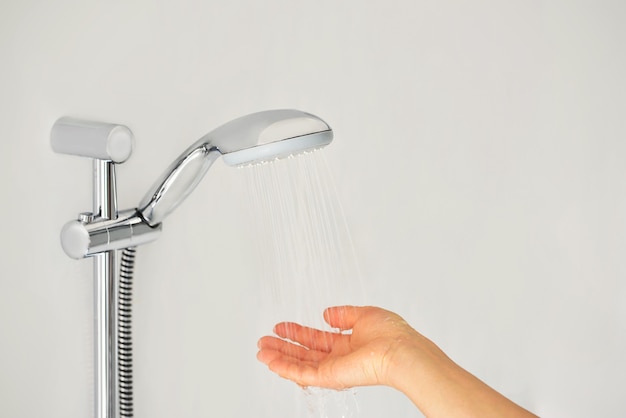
(100, 234)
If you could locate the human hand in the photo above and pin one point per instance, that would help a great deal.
(311, 357)
(382, 349)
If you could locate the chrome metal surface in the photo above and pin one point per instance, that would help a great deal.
(85, 217)
(105, 190)
(261, 128)
(105, 338)
(83, 239)
(105, 297)
(258, 136)
(177, 182)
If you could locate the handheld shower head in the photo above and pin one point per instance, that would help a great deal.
(253, 138)
(268, 135)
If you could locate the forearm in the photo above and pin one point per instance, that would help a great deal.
(441, 388)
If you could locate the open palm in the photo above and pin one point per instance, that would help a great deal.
(312, 357)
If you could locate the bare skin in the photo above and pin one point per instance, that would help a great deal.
(382, 349)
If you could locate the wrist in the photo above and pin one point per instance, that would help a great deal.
(423, 372)
(441, 388)
(415, 358)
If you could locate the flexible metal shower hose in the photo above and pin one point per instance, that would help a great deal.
(124, 346)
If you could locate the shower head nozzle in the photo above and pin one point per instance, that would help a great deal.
(257, 137)
(269, 135)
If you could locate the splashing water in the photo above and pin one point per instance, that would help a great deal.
(323, 403)
(306, 255)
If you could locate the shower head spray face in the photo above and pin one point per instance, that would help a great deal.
(257, 137)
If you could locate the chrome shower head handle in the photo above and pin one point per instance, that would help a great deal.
(253, 138)
(177, 182)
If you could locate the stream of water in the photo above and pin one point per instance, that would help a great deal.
(306, 256)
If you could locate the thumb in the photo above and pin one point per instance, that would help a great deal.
(343, 317)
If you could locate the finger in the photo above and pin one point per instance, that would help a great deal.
(303, 374)
(307, 373)
(343, 317)
(273, 344)
(268, 356)
(311, 338)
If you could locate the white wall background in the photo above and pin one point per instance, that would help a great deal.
(479, 155)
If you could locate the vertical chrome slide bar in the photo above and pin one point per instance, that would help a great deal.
(105, 296)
